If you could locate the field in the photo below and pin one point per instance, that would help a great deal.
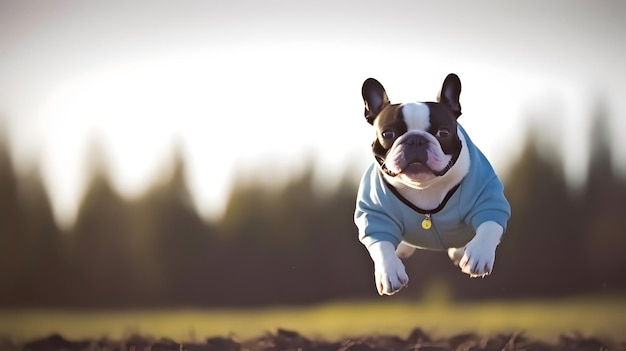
(546, 321)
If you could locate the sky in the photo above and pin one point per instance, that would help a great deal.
(259, 88)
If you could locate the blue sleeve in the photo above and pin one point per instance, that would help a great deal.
(490, 205)
(484, 191)
(374, 223)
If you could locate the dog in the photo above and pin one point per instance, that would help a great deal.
(428, 187)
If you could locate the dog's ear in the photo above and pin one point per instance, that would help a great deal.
(450, 93)
(375, 98)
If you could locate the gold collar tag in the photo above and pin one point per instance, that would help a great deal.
(426, 222)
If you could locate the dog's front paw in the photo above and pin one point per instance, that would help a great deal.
(480, 252)
(477, 262)
(389, 271)
(390, 276)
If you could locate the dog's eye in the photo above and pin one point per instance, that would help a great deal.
(388, 134)
(442, 133)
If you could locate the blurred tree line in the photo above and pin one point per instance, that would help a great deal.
(293, 244)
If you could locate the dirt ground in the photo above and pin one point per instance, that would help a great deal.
(286, 340)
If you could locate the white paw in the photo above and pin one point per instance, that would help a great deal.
(390, 276)
(404, 250)
(480, 252)
(389, 271)
(456, 254)
(477, 262)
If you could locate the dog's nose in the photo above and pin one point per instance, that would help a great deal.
(416, 140)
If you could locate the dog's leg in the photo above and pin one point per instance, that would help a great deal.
(404, 250)
(389, 271)
(455, 254)
(480, 252)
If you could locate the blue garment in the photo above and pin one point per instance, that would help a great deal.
(381, 215)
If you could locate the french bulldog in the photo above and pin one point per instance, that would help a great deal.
(428, 187)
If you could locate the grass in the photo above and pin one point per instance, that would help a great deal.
(540, 319)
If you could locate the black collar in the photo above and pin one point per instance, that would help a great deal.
(415, 208)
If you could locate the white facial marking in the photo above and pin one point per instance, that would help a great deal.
(416, 115)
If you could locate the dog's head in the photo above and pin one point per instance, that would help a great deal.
(417, 142)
